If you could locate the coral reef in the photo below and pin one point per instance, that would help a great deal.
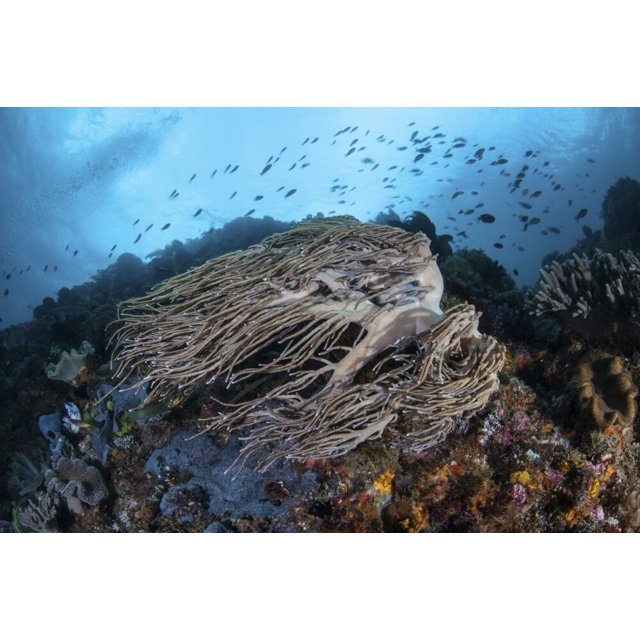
(621, 215)
(606, 391)
(596, 296)
(471, 275)
(338, 326)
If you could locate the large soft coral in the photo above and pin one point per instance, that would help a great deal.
(332, 329)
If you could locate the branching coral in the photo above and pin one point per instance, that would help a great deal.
(321, 335)
(40, 512)
(595, 294)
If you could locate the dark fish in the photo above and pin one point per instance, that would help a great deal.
(554, 229)
(279, 189)
(528, 153)
(75, 253)
(166, 226)
(113, 248)
(46, 266)
(290, 193)
(306, 140)
(590, 160)
(258, 198)
(350, 152)
(486, 217)
(526, 205)
(173, 193)
(136, 222)
(418, 157)
(402, 148)
(588, 231)
(147, 229)
(536, 194)
(213, 174)
(500, 161)
(192, 178)
(366, 161)
(266, 169)
(197, 213)
(250, 212)
(545, 163)
(6, 292)
(557, 187)
(29, 267)
(534, 220)
(233, 195)
(458, 145)
(138, 238)
(234, 169)
(456, 194)
(515, 271)
(176, 195)
(109, 255)
(498, 245)
(581, 214)
(66, 248)
(293, 166)
(227, 168)
(55, 267)
(312, 142)
(304, 164)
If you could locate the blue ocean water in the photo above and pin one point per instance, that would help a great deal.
(81, 186)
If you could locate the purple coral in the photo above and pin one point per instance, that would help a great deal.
(518, 494)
